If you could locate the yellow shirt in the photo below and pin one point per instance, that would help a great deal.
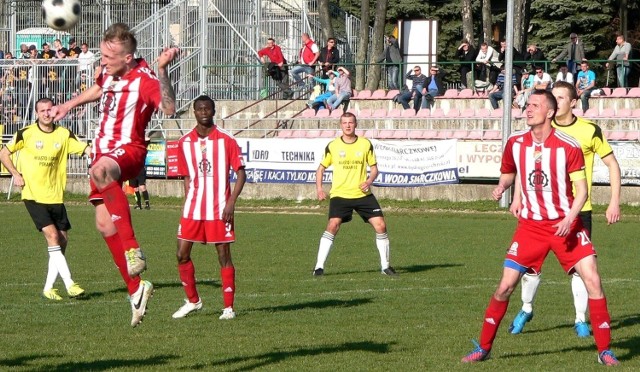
(592, 141)
(43, 161)
(349, 162)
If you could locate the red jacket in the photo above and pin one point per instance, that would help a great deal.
(274, 54)
(307, 55)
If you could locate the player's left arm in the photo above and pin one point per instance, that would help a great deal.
(613, 210)
(373, 173)
(229, 208)
(579, 180)
(168, 95)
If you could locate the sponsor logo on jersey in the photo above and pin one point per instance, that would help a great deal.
(39, 145)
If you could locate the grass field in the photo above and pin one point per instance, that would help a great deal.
(352, 319)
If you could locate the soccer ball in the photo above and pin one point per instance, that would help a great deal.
(61, 15)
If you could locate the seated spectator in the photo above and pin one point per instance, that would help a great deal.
(517, 57)
(47, 53)
(564, 75)
(535, 55)
(343, 92)
(522, 96)
(496, 94)
(329, 57)
(24, 51)
(433, 87)
(585, 83)
(488, 65)
(415, 93)
(318, 102)
(542, 80)
(275, 64)
(466, 53)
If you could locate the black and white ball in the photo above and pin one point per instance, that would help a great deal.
(61, 15)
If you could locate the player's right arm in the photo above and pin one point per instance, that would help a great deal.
(5, 158)
(506, 180)
(516, 204)
(319, 175)
(92, 94)
(580, 184)
(613, 210)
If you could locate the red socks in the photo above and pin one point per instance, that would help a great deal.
(188, 278)
(118, 206)
(601, 323)
(117, 251)
(492, 318)
(228, 275)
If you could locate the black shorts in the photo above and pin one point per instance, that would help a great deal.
(141, 178)
(367, 207)
(48, 214)
(585, 217)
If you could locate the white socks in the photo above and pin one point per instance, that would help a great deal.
(57, 265)
(382, 243)
(580, 297)
(326, 241)
(530, 283)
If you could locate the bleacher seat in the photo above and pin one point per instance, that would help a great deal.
(379, 114)
(364, 113)
(445, 134)
(336, 113)
(465, 93)
(414, 133)
(636, 113)
(386, 133)
(323, 113)
(329, 133)
(392, 93)
(308, 113)
(577, 112)
(591, 113)
(492, 134)
(483, 113)
(285, 133)
(608, 113)
(475, 134)
(394, 113)
(312, 133)
(632, 135)
(468, 113)
(371, 133)
(450, 93)
(619, 93)
(423, 113)
(363, 94)
(624, 113)
(437, 113)
(430, 134)
(400, 134)
(408, 113)
(516, 113)
(497, 113)
(615, 135)
(634, 93)
(606, 91)
(460, 134)
(453, 113)
(379, 94)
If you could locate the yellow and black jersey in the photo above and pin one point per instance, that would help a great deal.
(43, 161)
(349, 162)
(592, 141)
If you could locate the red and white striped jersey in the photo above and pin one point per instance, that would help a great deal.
(544, 171)
(207, 162)
(126, 106)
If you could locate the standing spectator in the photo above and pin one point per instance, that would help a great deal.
(329, 57)
(564, 75)
(433, 87)
(272, 58)
(585, 82)
(74, 49)
(415, 93)
(466, 53)
(343, 92)
(392, 59)
(488, 66)
(535, 55)
(548, 164)
(592, 142)
(60, 51)
(621, 54)
(542, 80)
(24, 51)
(139, 184)
(307, 58)
(497, 92)
(47, 53)
(205, 157)
(517, 59)
(129, 94)
(43, 184)
(351, 190)
(85, 59)
(573, 52)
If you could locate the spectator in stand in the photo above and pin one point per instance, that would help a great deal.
(573, 52)
(272, 58)
(621, 54)
(74, 49)
(433, 87)
(496, 94)
(535, 55)
(319, 102)
(517, 59)
(343, 92)
(488, 65)
(542, 80)
(392, 59)
(585, 83)
(466, 53)
(564, 75)
(526, 83)
(85, 59)
(24, 51)
(47, 53)
(60, 51)
(415, 93)
(329, 57)
(307, 58)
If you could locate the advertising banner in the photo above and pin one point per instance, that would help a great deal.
(155, 161)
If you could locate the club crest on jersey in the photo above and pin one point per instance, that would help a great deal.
(203, 146)
(538, 179)
(358, 154)
(56, 145)
(39, 145)
(205, 166)
(537, 156)
(342, 154)
(108, 102)
(513, 250)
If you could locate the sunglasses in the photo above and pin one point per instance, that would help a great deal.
(417, 70)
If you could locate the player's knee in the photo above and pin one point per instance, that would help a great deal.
(183, 257)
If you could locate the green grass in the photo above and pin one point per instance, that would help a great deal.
(352, 319)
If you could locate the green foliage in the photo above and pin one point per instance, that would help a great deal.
(352, 319)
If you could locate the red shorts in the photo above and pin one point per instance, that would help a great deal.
(533, 240)
(130, 159)
(206, 232)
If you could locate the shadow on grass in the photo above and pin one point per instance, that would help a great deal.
(628, 321)
(266, 359)
(97, 365)
(315, 305)
(400, 270)
(632, 345)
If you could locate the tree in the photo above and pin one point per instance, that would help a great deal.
(520, 25)
(487, 22)
(467, 21)
(363, 45)
(373, 77)
(325, 19)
